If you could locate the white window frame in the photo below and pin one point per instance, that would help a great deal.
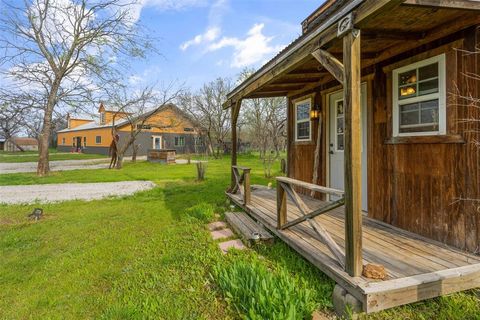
(153, 142)
(63, 141)
(440, 95)
(96, 141)
(297, 103)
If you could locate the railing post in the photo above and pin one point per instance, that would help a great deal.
(281, 206)
(246, 186)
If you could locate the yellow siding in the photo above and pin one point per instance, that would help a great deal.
(166, 121)
(109, 116)
(73, 123)
(105, 133)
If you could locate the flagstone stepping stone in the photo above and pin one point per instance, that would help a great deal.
(227, 245)
(221, 234)
(217, 225)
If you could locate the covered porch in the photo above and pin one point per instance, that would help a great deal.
(417, 268)
(347, 46)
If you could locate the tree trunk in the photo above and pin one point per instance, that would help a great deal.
(119, 161)
(134, 153)
(43, 166)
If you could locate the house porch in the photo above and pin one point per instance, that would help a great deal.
(417, 268)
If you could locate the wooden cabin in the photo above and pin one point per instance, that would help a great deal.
(383, 135)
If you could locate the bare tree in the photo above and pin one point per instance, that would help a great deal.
(134, 109)
(58, 53)
(265, 120)
(206, 108)
(12, 119)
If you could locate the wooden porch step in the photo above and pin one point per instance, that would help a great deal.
(247, 228)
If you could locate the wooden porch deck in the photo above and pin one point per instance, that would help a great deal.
(418, 268)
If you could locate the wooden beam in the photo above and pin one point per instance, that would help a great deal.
(387, 294)
(372, 34)
(267, 94)
(234, 117)
(352, 153)
(329, 62)
(281, 206)
(449, 4)
(295, 80)
(284, 86)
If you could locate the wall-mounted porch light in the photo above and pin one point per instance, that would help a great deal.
(315, 112)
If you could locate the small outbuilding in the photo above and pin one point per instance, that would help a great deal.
(16, 144)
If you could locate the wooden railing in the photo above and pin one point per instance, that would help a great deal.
(285, 187)
(242, 182)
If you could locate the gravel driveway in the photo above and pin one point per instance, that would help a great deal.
(61, 165)
(70, 191)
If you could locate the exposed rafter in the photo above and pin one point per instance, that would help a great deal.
(329, 62)
(455, 4)
(391, 35)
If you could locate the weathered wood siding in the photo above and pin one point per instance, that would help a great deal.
(416, 185)
(300, 154)
(413, 185)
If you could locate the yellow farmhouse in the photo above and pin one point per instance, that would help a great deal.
(165, 128)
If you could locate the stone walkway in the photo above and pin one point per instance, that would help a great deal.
(219, 230)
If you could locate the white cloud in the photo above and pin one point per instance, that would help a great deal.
(163, 5)
(255, 47)
(211, 34)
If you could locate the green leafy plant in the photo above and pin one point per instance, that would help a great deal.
(202, 211)
(259, 293)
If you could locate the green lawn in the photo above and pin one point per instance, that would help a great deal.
(146, 257)
(32, 156)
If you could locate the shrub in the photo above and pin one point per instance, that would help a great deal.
(258, 293)
(202, 211)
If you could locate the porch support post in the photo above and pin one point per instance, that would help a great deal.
(353, 157)
(235, 109)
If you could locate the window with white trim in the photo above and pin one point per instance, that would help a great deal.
(419, 98)
(98, 139)
(302, 120)
(63, 141)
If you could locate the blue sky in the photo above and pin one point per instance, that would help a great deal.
(201, 40)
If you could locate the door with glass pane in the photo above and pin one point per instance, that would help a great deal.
(157, 142)
(337, 142)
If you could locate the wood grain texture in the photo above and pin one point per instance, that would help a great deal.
(417, 268)
(352, 153)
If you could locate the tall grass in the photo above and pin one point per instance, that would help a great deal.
(258, 293)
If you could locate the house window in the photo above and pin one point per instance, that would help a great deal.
(339, 125)
(102, 118)
(302, 120)
(188, 129)
(98, 139)
(73, 141)
(179, 141)
(419, 98)
(63, 141)
(85, 142)
(144, 127)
